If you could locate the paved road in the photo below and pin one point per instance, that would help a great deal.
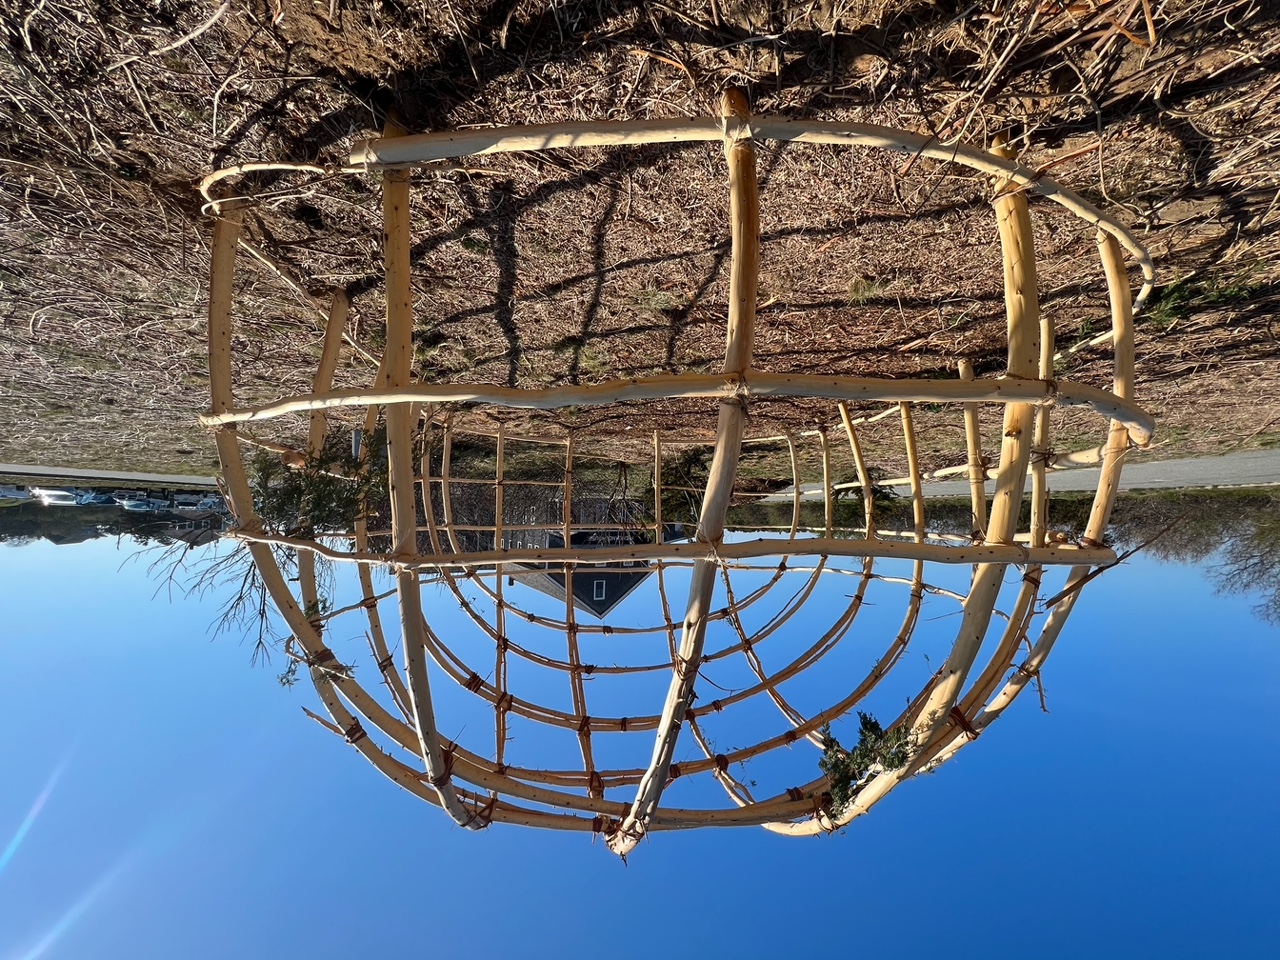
(64, 474)
(1249, 468)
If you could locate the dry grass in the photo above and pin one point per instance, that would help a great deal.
(580, 266)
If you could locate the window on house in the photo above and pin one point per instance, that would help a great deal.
(599, 594)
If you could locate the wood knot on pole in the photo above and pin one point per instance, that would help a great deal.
(735, 111)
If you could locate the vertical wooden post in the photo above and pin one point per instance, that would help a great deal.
(977, 469)
(828, 497)
(1022, 307)
(226, 234)
(499, 499)
(322, 382)
(795, 485)
(864, 476)
(657, 488)
(1122, 384)
(500, 607)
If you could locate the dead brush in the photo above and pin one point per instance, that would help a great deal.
(110, 112)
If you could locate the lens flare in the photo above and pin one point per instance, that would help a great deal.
(25, 827)
(77, 909)
(161, 836)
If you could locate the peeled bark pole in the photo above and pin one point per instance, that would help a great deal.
(744, 217)
(398, 362)
(977, 468)
(1022, 308)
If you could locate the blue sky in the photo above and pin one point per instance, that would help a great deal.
(195, 812)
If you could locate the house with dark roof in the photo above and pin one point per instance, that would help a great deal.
(536, 521)
(597, 589)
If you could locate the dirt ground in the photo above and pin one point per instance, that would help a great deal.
(583, 266)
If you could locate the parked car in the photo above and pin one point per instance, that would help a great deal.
(55, 498)
(92, 499)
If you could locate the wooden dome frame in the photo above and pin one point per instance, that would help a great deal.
(942, 718)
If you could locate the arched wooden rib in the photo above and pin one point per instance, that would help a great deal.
(812, 656)
(236, 484)
(735, 789)
(577, 688)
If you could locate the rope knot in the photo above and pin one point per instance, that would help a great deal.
(963, 722)
(354, 733)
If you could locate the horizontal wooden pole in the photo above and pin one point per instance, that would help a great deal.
(449, 144)
(429, 147)
(738, 550)
(752, 384)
